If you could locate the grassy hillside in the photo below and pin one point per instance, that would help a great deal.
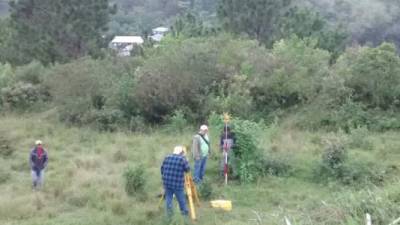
(85, 184)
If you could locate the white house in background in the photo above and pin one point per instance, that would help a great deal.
(125, 44)
(159, 33)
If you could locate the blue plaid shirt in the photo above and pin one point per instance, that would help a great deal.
(173, 171)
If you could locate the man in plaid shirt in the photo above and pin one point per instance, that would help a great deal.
(173, 175)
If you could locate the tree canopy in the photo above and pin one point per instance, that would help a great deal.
(58, 30)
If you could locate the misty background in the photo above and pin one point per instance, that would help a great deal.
(367, 21)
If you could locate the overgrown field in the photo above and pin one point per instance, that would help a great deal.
(85, 183)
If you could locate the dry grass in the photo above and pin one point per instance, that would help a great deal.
(84, 182)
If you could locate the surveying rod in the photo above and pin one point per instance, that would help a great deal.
(225, 147)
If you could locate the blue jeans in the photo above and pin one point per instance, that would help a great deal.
(37, 178)
(180, 196)
(199, 169)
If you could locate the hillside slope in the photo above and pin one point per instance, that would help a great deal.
(84, 182)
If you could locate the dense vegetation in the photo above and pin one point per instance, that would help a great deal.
(313, 88)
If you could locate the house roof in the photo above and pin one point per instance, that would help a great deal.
(160, 29)
(128, 39)
(157, 37)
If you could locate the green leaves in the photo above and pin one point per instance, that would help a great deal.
(373, 74)
(75, 29)
(257, 18)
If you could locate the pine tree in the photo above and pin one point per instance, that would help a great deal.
(58, 30)
(257, 18)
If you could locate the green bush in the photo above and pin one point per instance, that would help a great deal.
(294, 75)
(94, 92)
(197, 74)
(205, 190)
(180, 74)
(277, 165)
(7, 75)
(358, 172)
(32, 73)
(135, 181)
(351, 115)
(6, 147)
(177, 122)
(137, 124)
(109, 120)
(4, 175)
(373, 74)
(23, 95)
(336, 165)
(247, 154)
(333, 159)
(334, 154)
(359, 139)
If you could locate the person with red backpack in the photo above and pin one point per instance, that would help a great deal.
(38, 160)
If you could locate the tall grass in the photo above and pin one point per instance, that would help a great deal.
(85, 185)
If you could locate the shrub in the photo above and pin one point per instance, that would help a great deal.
(118, 208)
(359, 139)
(135, 180)
(276, 165)
(334, 154)
(351, 115)
(7, 75)
(233, 97)
(190, 73)
(336, 165)
(294, 76)
(137, 123)
(109, 120)
(332, 163)
(120, 156)
(373, 74)
(180, 74)
(205, 190)
(32, 73)
(247, 154)
(6, 148)
(177, 122)
(23, 95)
(96, 92)
(4, 176)
(359, 172)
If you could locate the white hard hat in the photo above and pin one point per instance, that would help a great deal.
(178, 150)
(203, 127)
(38, 142)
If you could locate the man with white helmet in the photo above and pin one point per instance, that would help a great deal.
(200, 149)
(173, 171)
(38, 160)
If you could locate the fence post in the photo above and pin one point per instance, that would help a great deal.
(368, 218)
(287, 221)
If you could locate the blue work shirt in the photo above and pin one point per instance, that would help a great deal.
(173, 171)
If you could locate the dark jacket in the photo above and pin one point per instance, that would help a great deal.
(36, 163)
(227, 140)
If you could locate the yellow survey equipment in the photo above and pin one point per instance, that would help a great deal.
(222, 204)
(191, 194)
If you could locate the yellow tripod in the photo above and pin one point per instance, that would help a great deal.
(191, 194)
